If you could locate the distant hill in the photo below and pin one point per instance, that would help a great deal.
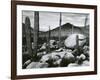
(66, 30)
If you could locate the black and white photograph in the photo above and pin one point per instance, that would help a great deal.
(55, 39)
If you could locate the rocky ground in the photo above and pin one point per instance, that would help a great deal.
(66, 56)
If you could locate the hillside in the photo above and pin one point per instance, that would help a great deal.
(66, 30)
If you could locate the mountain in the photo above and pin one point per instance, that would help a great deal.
(66, 30)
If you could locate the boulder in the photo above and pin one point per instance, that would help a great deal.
(37, 65)
(57, 62)
(85, 63)
(67, 59)
(70, 42)
(73, 65)
(45, 58)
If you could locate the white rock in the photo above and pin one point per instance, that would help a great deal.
(68, 50)
(69, 55)
(27, 62)
(52, 41)
(33, 45)
(41, 53)
(86, 48)
(82, 56)
(60, 49)
(73, 65)
(85, 63)
(32, 65)
(43, 46)
(45, 58)
(52, 44)
(70, 42)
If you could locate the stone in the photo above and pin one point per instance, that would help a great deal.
(70, 42)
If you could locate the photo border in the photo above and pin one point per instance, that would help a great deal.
(14, 38)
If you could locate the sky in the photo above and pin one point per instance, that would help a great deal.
(51, 19)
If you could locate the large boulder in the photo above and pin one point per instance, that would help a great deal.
(51, 56)
(67, 59)
(37, 65)
(70, 42)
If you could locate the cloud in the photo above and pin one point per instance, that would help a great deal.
(73, 18)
